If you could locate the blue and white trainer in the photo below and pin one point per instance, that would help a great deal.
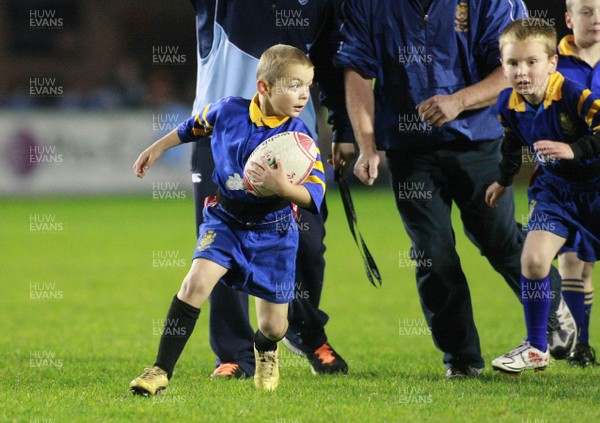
(562, 332)
(524, 357)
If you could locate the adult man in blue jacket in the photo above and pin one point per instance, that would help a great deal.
(436, 70)
(231, 37)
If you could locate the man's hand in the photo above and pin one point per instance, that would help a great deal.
(360, 104)
(366, 165)
(493, 194)
(440, 109)
(554, 150)
(342, 155)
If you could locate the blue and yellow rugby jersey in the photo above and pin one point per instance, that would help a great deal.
(572, 67)
(238, 126)
(569, 113)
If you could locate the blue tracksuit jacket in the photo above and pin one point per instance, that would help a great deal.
(413, 56)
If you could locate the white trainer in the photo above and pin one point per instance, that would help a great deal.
(562, 332)
(524, 357)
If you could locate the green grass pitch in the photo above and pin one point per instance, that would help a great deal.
(86, 283)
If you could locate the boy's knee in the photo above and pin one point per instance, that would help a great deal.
(586, 274)
(534, 265)
(273, 329)
(195, 284)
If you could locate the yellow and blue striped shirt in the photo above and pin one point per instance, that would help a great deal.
(237, 126)
(569, 114)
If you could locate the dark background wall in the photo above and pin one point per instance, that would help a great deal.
(553, 10)
(101, 52)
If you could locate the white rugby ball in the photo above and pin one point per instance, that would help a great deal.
(296, 151)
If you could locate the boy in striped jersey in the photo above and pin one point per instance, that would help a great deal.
(559, 120)
(578, 59)
(242, 242)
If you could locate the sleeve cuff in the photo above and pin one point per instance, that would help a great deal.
(506, 180)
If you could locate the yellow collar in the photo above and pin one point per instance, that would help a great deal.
(565, 46)
(516, 101)
(259, 119)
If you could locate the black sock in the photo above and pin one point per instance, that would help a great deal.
(262, 343)
(179, 325)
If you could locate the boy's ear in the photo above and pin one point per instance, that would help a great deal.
(568, 20)
(554, 62)
(263, 86)
(502, 66)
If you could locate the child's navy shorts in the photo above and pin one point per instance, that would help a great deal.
(260, 255)
(570, 210)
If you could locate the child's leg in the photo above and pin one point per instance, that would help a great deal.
(583, 355)
(588, 300)
(272, 326)
(538, 252)
(185, 309)
(571, 271)
(200, 281)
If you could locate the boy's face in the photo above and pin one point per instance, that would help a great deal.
(290, 93)
(527, 67)
(583, 19)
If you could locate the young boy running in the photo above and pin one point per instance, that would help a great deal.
(578, 58)
(242, 242)
(557, 118)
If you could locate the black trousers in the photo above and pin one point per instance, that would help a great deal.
(426, 184)
(231, 335)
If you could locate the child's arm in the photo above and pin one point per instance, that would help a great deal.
(193, 129)
(586, 112)
(274, 179)
(509, 167)
(153, 153)
(554, 149)
(585, 147)
(512, 151)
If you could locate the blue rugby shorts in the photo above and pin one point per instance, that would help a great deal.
(570, 210)
(260, 255)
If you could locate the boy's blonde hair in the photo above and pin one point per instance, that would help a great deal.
(275, 59)
(530, 30)
(569, 5)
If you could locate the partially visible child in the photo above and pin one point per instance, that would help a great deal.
(578, 57)
(242, 242)
(560, 120)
